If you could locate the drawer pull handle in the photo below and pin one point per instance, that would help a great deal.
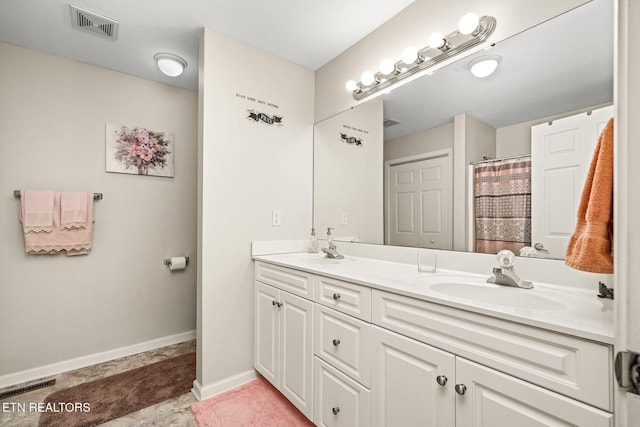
(276, 303)
(442, 380)
(336, 296)
(336, 342)
(335, 410)
(461, 389)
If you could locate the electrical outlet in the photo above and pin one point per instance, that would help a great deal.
(275, 218)
(344, 219)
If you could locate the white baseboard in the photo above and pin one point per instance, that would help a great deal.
(202, 393)
(92, 359)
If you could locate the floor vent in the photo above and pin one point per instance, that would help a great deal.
(94, 23)
(27, 388)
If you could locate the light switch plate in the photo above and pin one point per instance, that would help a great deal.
(275, 218)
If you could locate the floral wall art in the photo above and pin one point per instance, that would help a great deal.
(138, 151)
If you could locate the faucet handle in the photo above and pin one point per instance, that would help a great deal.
(506, 258)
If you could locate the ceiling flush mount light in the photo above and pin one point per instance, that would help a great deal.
(484, 66)
(471, 32)
(170, 64)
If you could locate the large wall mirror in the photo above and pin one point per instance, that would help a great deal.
(425, 164)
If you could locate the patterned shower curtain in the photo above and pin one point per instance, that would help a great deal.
(502, 199)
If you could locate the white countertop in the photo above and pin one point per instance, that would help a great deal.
(554, 307)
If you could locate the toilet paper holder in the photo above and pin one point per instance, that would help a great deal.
(167, 261)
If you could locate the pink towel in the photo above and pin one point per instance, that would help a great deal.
(74, 241)
(36, 210)
(74, 206)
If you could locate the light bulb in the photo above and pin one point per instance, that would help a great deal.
(387, 66)
(410, 55)
(484, 66)
(468, 23)
(352, 85)
(367, 78)
(436, 41)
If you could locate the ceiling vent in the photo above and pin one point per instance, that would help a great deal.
(390, 122)
(94, 23)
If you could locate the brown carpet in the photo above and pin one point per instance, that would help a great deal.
(99, 401)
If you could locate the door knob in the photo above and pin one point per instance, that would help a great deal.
(335, 410)
(461, 389)
(442, 380)
(539, 247)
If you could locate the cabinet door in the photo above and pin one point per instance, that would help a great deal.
(266, 358)
(339, 401)
(494, 399)
(406, 382)
(296, 351)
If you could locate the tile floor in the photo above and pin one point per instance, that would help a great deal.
(173, 412)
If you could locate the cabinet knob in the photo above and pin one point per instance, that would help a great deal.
(461, 389)
(335, 410)
(336, 342)
(336, 296)
(442, 380)
(276, 303)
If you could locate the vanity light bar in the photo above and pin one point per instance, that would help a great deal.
(438, 51)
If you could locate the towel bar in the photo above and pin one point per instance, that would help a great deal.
(96, 196)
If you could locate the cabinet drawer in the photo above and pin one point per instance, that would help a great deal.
(576, 368)
(346, 297)
(345, 342)
(339, 400)
(294, 281)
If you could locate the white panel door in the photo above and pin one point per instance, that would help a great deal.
(494, 399)
(296, 346)
(266, 335)
(404, 382)
(420, 204)
(561, 154)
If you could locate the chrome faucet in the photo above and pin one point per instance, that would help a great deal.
(504, 275)
(332, 249)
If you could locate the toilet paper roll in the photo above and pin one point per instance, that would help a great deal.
(177, 263)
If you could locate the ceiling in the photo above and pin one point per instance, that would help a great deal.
(305, 32)
(562, 65)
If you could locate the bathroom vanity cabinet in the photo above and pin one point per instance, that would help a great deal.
(382, 358)
(284, 333)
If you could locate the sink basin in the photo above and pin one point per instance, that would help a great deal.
(497, 295)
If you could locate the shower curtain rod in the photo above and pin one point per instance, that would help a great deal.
(521, 156)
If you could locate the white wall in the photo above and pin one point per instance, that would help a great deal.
(412, 27)
(246, 170)
(349, 178)
(55, 308)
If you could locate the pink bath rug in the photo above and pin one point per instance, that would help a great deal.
(256, 403)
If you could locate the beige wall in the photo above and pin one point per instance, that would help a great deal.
(246, 170)
(434, 139)
(412, 27)
(57, 308)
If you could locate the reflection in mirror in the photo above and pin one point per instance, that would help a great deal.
(438, 126)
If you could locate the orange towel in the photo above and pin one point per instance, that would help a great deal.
(591, 246)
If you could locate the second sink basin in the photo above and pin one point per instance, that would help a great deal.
(497, 295)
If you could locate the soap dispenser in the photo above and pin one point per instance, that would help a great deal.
(313, 244)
